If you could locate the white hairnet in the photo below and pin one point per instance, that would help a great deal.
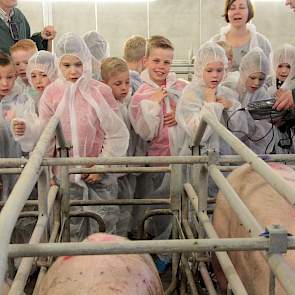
(209, 52)
(254, 61)
(98, 46)
(73, 44)
(43, 61)
(284, 55)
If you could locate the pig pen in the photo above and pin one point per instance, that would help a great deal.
(193, 236)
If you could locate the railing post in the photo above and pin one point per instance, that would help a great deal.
(64, 150)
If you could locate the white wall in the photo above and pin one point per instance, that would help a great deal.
(179, 20)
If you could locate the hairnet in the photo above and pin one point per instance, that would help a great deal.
(98, 46)
(284, 55)
(254, 61)
(209, 52)
(73, 44)
(43, 61)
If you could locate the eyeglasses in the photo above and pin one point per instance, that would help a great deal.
(13, 30)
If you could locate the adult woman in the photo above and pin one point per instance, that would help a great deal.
(239, 34)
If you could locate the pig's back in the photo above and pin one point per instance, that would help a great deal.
(268, 207)
(102, 274)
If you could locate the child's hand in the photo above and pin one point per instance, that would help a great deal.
(159, 95)
(210, 94)
(284, 100)
(91, 178)
(18, 127)
(53, 181)
(48, 33)
(227, 104)
(169, 119)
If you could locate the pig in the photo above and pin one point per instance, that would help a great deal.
(130, 274)
(268, 207)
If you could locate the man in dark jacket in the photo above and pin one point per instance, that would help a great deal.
(14, 26)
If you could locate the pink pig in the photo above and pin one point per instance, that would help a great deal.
(130, 274)
(268, 207)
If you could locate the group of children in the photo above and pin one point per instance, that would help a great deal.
(110, 106)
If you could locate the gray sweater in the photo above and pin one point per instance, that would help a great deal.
(24, 32)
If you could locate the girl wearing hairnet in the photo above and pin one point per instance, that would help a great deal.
(99, 49)
(89, 124)
(239, 33)
(254, 69)
(283, 78)
(283, 69)
(41, 71)
(206, 93)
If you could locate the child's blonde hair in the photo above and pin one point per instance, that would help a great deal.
(111, 66)
(157, 42)
(24, 44)
(134, 48)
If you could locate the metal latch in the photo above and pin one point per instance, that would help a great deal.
(278, 239)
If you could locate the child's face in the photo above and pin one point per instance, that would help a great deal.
(213, 74)
(20, 59)
(39, 80)
(120, 85)
(158, 64)
(71, 67)
(283, 71)
(255, 81)
(7, 79)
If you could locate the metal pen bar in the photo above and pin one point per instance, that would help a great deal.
(24, 269)
(207, 279)
(120, 202)
(11, 170)
(245, 216)
(223, 258)
(202, 266)
(17, 162)
(123, 160)
(199, 134)
(21, 192)
(123, 202)
(119, 170)
(189, 276)
(276, 181)
(130, 247)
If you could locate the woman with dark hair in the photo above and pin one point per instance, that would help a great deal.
(239, 33)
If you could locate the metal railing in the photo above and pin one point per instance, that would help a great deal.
(186, 203)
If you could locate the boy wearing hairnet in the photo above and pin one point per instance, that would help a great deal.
(89, 124)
